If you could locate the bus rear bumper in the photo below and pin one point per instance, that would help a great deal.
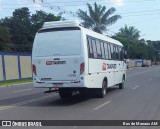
(58, 84)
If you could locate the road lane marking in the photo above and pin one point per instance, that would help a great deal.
(137, 73)
(5, 107)
(135, 87)
(102, 105)
(22, 90)
(33, 100)
(26, 102)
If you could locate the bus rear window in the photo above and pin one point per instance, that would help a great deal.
(58, 43)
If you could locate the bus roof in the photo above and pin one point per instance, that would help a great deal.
(76, 23)
(56, 24)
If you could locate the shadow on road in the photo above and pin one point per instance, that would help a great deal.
(77, 98)
(53, 100)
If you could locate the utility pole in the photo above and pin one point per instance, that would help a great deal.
(153, 56)
(128, 46)
(128, 50)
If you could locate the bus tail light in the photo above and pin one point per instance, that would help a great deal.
(81, 68)
(34, 69)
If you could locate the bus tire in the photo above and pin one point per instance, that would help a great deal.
(65, 93)
(102, 91)
(121, 85)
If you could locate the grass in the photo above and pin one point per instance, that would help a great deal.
(12, 82)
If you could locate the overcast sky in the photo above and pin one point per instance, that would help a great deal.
(143, 14)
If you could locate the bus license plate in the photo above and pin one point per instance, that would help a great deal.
(58, 84)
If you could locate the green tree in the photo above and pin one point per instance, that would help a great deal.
(40, 17)
(20, 29)
(130, 32)
(130, 37)
(23, 27)
(5, 39)
(154, 50)
(98, 18)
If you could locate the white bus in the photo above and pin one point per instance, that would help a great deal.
(67, 58)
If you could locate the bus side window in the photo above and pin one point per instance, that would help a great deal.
(99, 53)
(90, 49)
(106, 50)
(103, 50)
(117, 53)
(121, 53)
(112, 52)
(124, 54)
(109, 51)
(94, 48)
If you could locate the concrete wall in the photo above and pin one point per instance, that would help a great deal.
(137, 63)
(11, 67)
(15, 66)
(147, 61)
(18, 66)
(26, 70)
(132, 63)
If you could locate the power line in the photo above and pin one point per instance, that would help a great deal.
(143, 11)
(106, 2)
(86, 1)
(140, 15)
(15, 4)
(137, 22)
(92, 4)
(58, 8)
(125, 16)
(145, 20)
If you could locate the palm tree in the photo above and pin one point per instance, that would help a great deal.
(130, 32)
(98, 18)
(129, 36)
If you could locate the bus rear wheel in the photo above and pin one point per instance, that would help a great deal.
(121, 85)
(102, 91)
(65, 93)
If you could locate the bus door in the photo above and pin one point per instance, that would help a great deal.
(118, 65)
(111, 65)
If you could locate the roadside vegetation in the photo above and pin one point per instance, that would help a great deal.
(98, 18)
(12, 82)
(17, 32)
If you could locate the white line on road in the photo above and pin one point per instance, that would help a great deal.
(102, 105)
(26, 102)
(5, 107)
(137, 73)
(22, 90)
(135, 87)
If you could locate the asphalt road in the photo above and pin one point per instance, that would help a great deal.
(140, 100)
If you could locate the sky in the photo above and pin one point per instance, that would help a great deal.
(144, 15)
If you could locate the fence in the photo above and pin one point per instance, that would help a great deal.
(18, 65)
(138, 63)
(15, 66)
